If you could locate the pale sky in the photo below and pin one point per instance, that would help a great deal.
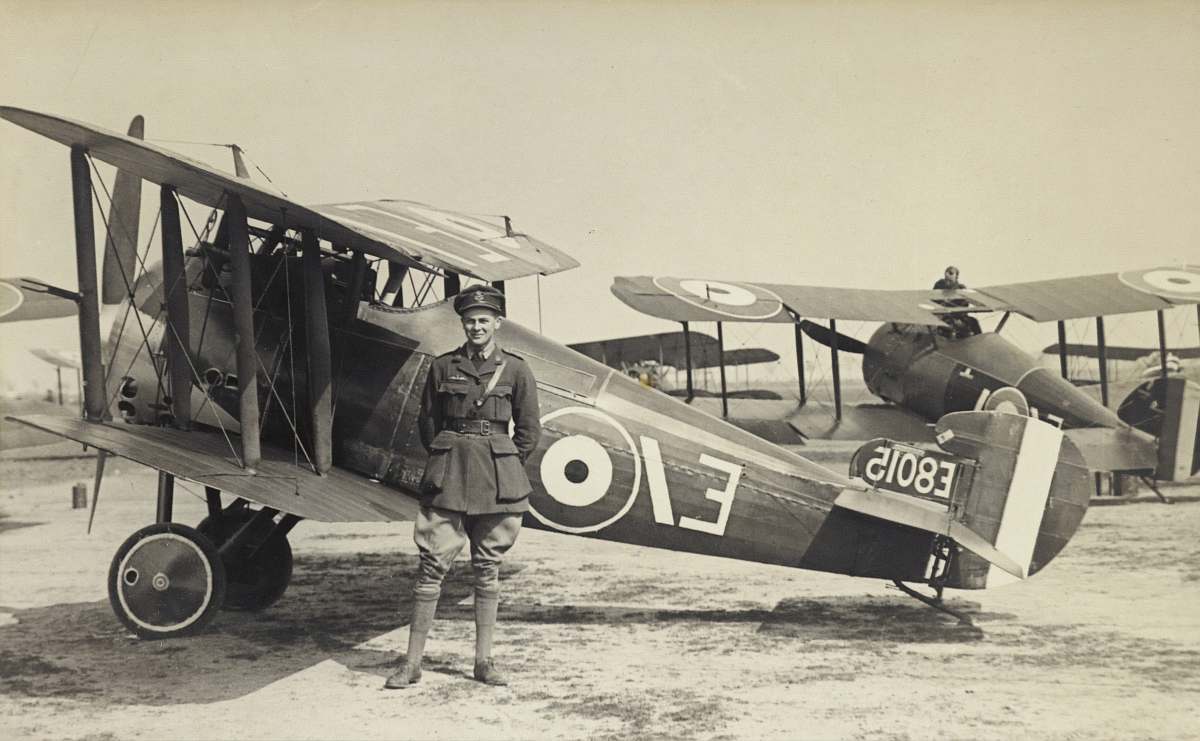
(852, 144)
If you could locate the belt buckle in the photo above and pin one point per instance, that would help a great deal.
(485, 427)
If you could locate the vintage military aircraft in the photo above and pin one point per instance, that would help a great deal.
(278, 327)
(654, 358)
(927, 360)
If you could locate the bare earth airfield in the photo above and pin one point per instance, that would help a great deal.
(601, 640)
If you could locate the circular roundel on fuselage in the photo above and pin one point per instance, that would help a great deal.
(1182, 284)
(738, 301)
(589, 476)
(1008, 400)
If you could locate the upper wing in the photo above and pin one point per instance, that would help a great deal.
(681, 299)
(401, 231)
(1047, 300)
(20, 302)
(1096, 295)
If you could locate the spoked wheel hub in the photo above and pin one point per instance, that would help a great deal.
(166, 580)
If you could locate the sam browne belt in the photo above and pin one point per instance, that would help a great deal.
(477, 426)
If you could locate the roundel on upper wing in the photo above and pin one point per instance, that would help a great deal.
(11, 298)
(738, 301)
(1182, 284)
(589, 476)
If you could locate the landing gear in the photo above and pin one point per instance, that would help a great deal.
(166, 581)
(169, 580)
(258, 558)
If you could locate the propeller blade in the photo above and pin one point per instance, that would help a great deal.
(825, 337)
(101, 458)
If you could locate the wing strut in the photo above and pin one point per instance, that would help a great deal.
(320, 364)
(1062, 347)
(800, 361)
(721, 360)
(85, 270)
(243, 322)
(1103, 355)
(1162, 343)
(837, 375)
(687, 354)
(175, 296)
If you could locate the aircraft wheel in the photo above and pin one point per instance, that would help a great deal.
(166, 581)
(255, 582)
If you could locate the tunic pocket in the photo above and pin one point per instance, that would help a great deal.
(439, 461)
(512, 483)
(498, 404)
(453, 396)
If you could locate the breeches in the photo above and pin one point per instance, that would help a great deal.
(441, 534)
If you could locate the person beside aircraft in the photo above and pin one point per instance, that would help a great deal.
(475, 488)
(949, 280)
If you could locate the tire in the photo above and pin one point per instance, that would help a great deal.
(166, 581)
(256, 584)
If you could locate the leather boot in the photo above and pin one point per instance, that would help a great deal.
(409, 671)
(485, 628)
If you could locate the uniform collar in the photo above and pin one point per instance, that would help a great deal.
(462, 359)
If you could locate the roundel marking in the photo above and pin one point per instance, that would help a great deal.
(721, 293)
(576, 471)
(1177, 283)
(734, 300)
(11, 298)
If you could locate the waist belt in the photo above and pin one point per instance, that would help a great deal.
(477, 426)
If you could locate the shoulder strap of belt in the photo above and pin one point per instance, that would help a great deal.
(491, 386)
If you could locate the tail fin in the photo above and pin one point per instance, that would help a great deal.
(1169, 409)
(1012, 492)
(120, 246)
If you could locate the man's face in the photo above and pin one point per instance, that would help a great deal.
(480, 325)
(952, 275)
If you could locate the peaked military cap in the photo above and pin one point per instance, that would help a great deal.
(479, 297)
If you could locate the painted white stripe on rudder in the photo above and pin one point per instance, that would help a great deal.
(1185, 441)
(1028, 493)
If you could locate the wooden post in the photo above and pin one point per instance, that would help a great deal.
(1103, 354)
(85, 271)
(837, 376)
(721, 360)
(175, 297)
(243, 325)
(1062, 347)
(687, 353)
(320, 373)
(800, 361)
(1162, 343)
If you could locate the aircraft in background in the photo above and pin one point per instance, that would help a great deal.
(653, 359)
(926, 360)
(278, 325)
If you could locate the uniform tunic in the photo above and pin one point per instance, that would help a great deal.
(469, 472)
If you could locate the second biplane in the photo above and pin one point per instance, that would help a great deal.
(309, 389)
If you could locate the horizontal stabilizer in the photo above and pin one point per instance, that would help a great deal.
(1009, 489)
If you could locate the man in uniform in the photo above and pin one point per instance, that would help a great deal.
(948, 281)
(963, 325)
(475, 488)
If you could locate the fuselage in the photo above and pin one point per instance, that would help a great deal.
(616, 460)
(932, 374)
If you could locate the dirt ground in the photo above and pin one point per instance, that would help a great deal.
(599, 640)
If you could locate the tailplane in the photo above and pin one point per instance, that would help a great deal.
(1004, 494)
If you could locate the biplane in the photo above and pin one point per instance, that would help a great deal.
(260, 363)
(929, 357)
